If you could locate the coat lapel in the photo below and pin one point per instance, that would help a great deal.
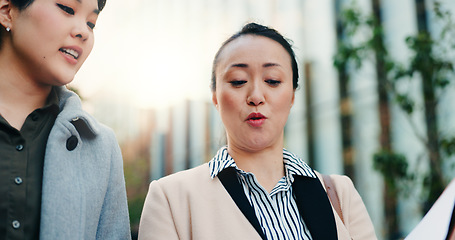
(228, 178)
(314, 207)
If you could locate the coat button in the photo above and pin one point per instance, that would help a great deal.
(35, 117)
(71, 143)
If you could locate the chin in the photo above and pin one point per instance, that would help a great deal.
(257, 146)
(62, 81)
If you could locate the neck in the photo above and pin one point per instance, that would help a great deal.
(266, 165)
(19, 93)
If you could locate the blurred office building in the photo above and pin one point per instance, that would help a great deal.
(336, 125)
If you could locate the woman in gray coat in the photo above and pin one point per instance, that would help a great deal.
(61, 172)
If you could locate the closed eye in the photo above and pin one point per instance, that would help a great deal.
(273, 83)
(67, 9)
(237, 83)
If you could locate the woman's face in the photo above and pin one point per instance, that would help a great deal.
(51, 39)
(254, 92)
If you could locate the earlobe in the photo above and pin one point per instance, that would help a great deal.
(293, 98)
(5, 13)
(215, 100)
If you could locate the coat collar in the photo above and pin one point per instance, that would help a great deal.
(71, 111)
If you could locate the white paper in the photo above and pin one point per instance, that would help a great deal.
(435, 224)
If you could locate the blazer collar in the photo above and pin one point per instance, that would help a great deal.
(228, 178)
(312, 201)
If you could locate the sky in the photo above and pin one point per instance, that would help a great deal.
(157, 53)
(149, 54)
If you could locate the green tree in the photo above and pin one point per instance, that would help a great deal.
(431, 64)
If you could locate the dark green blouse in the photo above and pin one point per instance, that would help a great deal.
(21, 171)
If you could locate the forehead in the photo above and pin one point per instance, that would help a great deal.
(93, 4)
(252, 48)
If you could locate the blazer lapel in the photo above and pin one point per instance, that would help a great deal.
(314, 207)
(228, 178)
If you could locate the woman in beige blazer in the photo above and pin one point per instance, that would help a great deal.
(253, 188)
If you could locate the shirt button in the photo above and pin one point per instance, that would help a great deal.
(16, 224)
(19, 147)
(34, 117)
(18, 180)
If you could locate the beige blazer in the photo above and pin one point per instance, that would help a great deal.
(191, 205)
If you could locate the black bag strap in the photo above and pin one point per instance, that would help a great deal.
(314, 207)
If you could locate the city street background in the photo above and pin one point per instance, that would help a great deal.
(149, 73)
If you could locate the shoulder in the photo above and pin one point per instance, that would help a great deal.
(356, 219)
(105, 133)
(196, 175)
(195, 182)
(344, 187)
(341, 182)
(193, 185)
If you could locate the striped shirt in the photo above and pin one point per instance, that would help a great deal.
(276, 211)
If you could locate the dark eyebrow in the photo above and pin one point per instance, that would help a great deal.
(266, 65)
(239, 65)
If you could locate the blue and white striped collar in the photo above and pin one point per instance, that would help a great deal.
(293, 164)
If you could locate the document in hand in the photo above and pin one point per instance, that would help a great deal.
(437, 222)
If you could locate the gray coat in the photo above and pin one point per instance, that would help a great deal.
(84, 194)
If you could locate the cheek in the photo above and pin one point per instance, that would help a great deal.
(87, 49)
(42, 25)
(45, 19)
(228, 103)
(283, 104)
(225, 101)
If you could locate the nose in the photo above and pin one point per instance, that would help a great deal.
(255, 95)
(80, 30)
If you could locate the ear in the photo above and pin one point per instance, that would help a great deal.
(5, 13)
(214, 99)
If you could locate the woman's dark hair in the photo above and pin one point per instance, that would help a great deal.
(260, 30)
(23, 4)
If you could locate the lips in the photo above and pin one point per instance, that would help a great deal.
(73, 52)
(255, 119)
